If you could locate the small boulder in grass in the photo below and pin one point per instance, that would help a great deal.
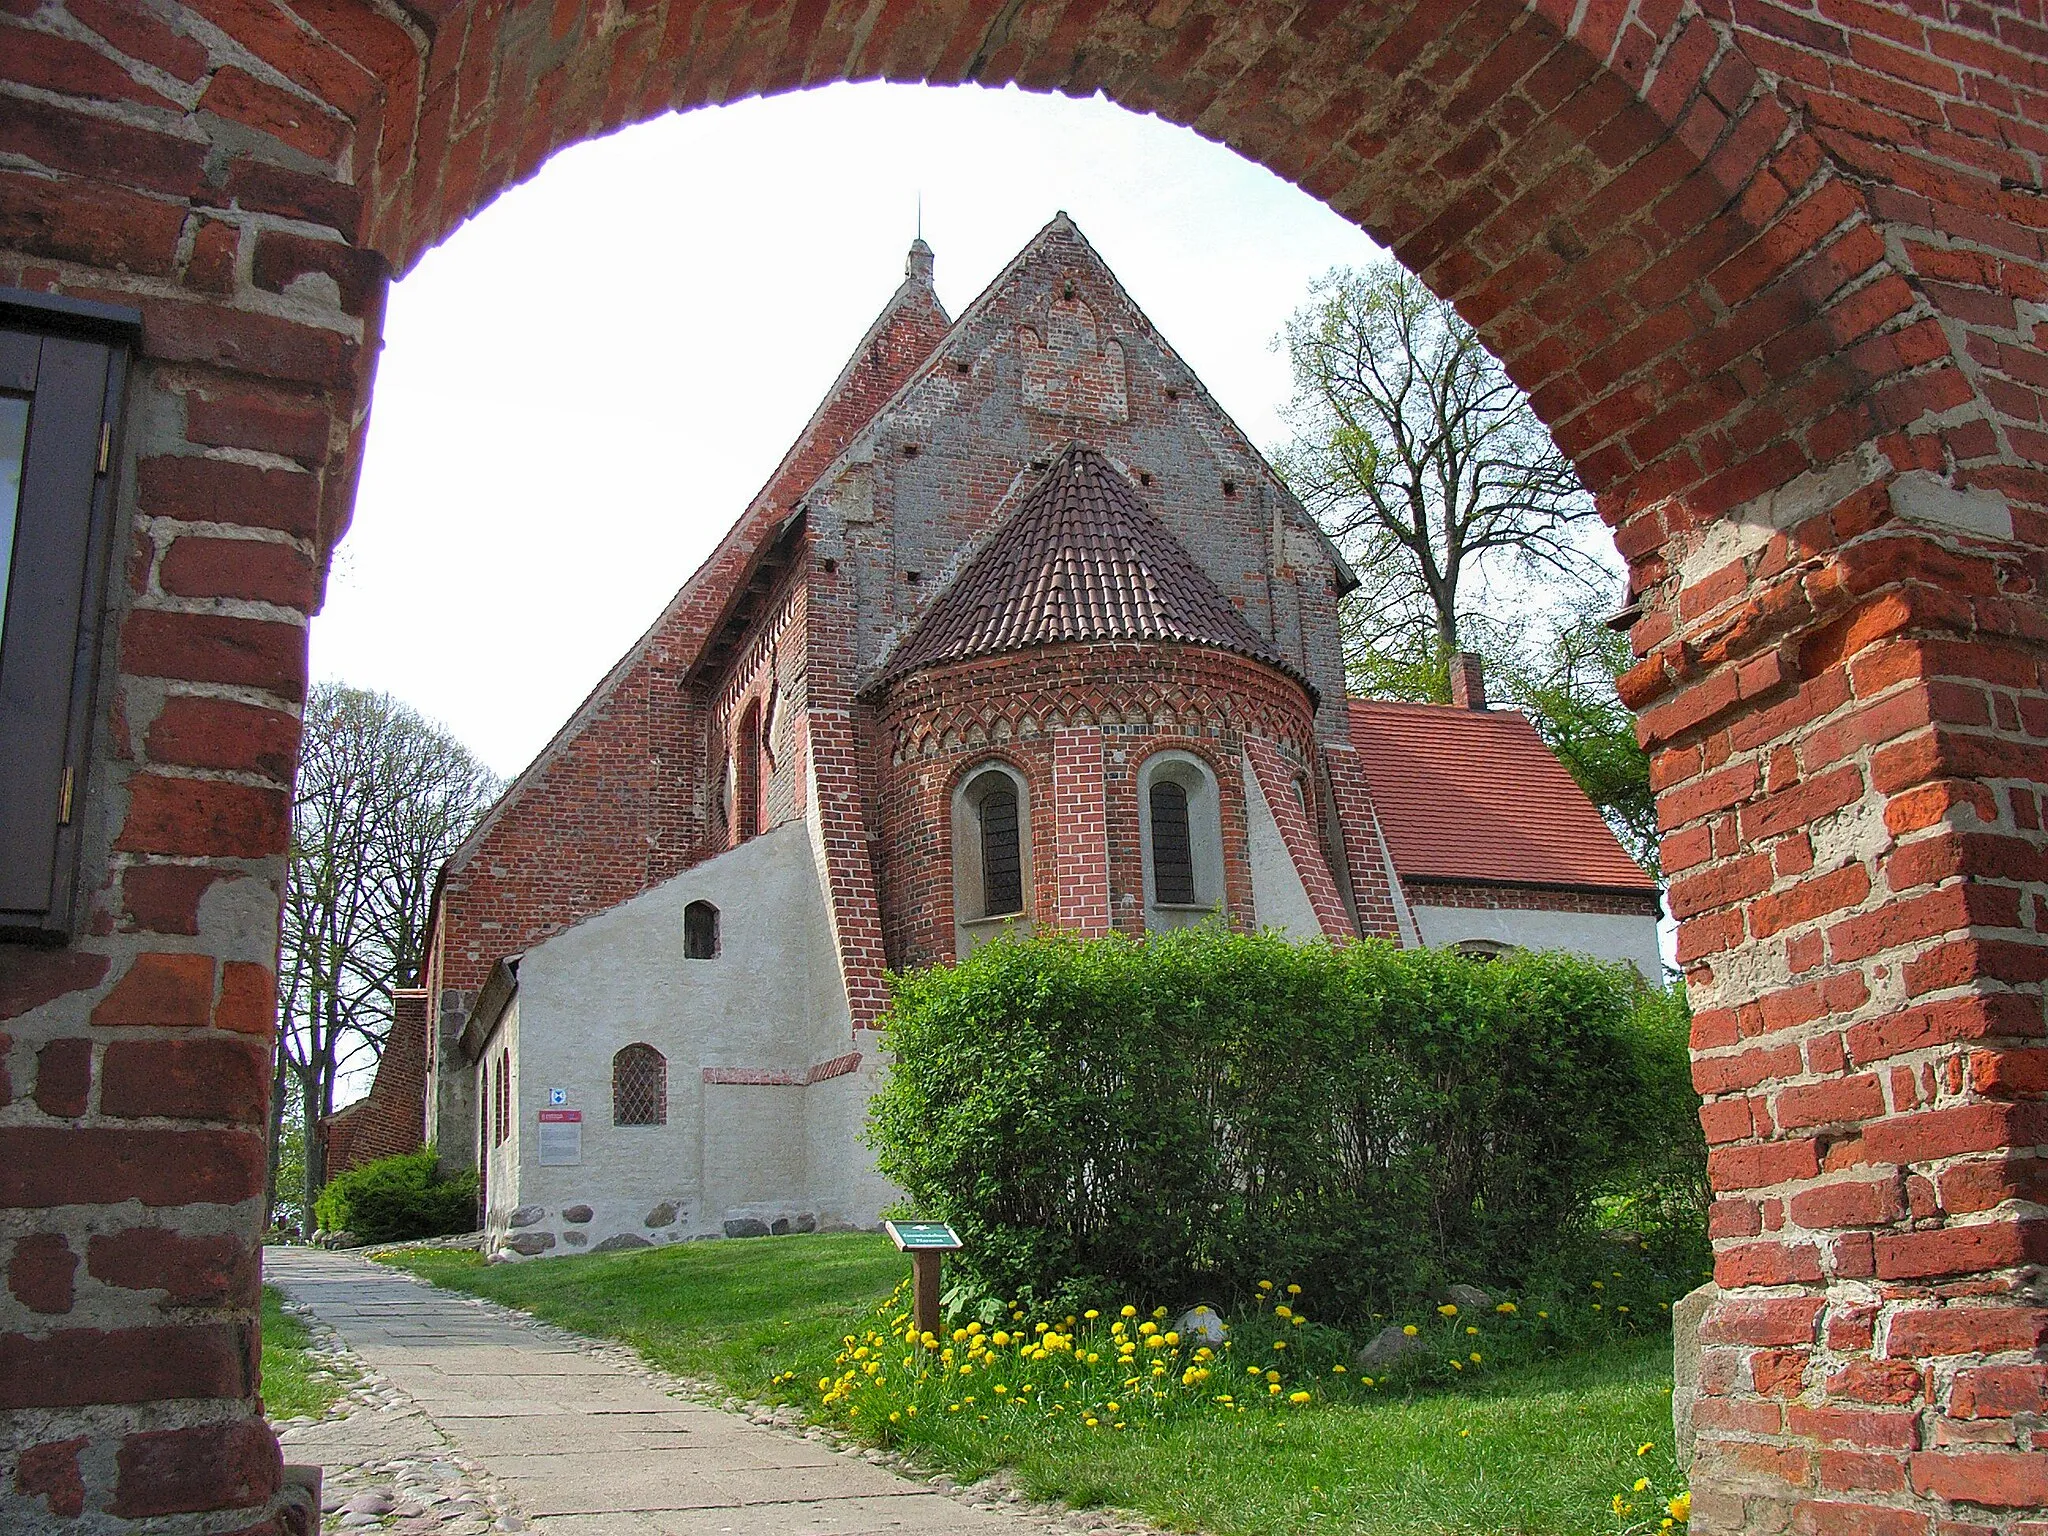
(1200, 1323)
(1468, 1298)
(1390, 1344)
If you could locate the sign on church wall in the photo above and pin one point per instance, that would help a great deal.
(561, 1138)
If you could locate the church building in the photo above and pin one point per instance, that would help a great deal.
(1023, 633)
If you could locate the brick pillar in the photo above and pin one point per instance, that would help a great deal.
(1081, 834)
(1851, 741)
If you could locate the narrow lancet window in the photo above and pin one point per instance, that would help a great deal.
(1002, 862)
(1173, 862)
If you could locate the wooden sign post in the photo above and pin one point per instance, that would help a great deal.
(927, 1243)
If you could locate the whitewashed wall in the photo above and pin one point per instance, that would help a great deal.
(771, 1003)
(1602, 935)
(1279, 899)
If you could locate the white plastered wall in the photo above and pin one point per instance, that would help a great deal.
(1279, 899)
(1603, 935)
(771, 1004)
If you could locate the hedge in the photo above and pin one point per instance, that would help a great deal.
(1182, 1117)
(398, 1198)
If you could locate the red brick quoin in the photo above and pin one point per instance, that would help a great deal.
(1772, 270)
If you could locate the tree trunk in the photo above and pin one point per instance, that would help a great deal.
(280, 1085)
(316, 1147)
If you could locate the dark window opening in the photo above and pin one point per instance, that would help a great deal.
(61, 367)
(639, 1086)
(747, 796)
(1173, 860)
(1002, 856)
(700, 931)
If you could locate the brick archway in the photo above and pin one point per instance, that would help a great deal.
(1771, 273)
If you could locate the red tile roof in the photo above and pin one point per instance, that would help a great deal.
(1475, 795)
(1081, 559)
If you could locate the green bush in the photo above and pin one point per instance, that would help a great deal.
(396, 1198)
(1183, 1117)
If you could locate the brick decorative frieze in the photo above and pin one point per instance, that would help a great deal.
(1529, 898)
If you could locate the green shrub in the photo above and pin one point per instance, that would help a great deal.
(396, 1198)
(1182, 1117)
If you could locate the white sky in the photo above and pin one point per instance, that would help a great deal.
(583, 387)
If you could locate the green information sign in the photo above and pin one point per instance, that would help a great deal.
(911, 1235)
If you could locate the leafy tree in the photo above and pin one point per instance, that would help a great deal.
(1420, 456)
(1429, 469)
(384, 797)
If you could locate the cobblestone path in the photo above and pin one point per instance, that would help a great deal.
(473, 1417)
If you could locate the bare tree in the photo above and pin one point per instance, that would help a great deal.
(1421, 457)
(384, 797)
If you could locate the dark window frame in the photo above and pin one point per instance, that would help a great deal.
(654, 1109)
(700, 942)
(70, 357)
(1002, 852)
(1173, 847)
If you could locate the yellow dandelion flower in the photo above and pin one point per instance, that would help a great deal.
(1129, 1310)
(1471, 1330)
(1410, 1329)
(1282, 1312)
(1091, 1314)
(1599, 1285)
(1338, 1370)
(1265, 1285)
(1644, 1448)
(1448, 1309)
(1273, 1387)
(1294, 1290)
(1681, 1506)
(1298, 1397)
(1476, 1358)
(1641, 1483)
(1506, 1309)
(1622, 1506)
(1543, 1314)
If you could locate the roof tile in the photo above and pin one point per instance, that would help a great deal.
(1080, 560)
(1468, 794)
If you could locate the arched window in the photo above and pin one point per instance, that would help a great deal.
(700, 931)
(639, 1086)
(746, 762)
(1002, 859)
(504, 1096)
(1173, 859)
(1181, 832)
(991, 853)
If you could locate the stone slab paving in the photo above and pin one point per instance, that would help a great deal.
(488, 1418)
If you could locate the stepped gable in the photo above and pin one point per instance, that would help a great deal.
(1474, 797)
(1080, 560)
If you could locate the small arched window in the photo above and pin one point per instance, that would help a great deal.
(746, 759)
(639, 1086)
(700, 931)
(991, 854)
(1173, 857)
(1002, 857)
(1181, 833)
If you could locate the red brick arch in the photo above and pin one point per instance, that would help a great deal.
(1771, 270)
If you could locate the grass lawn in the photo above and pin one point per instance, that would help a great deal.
(296, 1383)
(1540, 1449)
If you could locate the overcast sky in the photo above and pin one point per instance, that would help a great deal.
(584, 386)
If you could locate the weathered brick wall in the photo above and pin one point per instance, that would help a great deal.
(1529, 898)
(1059, 714)
(1772, 271)
(391, 1117)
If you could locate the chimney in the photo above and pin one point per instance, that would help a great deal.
(1468, 681)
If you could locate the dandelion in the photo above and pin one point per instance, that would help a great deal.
(1091, 1314)
(1298, 1397)
(1641, 1483)
(1129, 1310)
(1273, 1387)
(1265, 1285)
(1448, 1309)
(1338, 1370)
(1622, 1507)
(1476, 1359)
(1681, 1506)
(1457, 1365)
(1543, 1314)
(1464, 1434)
(1410, 1329)
(1112, 1407)
(1001, 1390)
(1599, 1285)
(1644, 1448)
(1471, 1330)
(1091, 1422)
(1279, 1343)
(1506, 1309)
(1294, 1290)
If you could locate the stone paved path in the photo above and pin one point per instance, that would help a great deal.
(529, 1427)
